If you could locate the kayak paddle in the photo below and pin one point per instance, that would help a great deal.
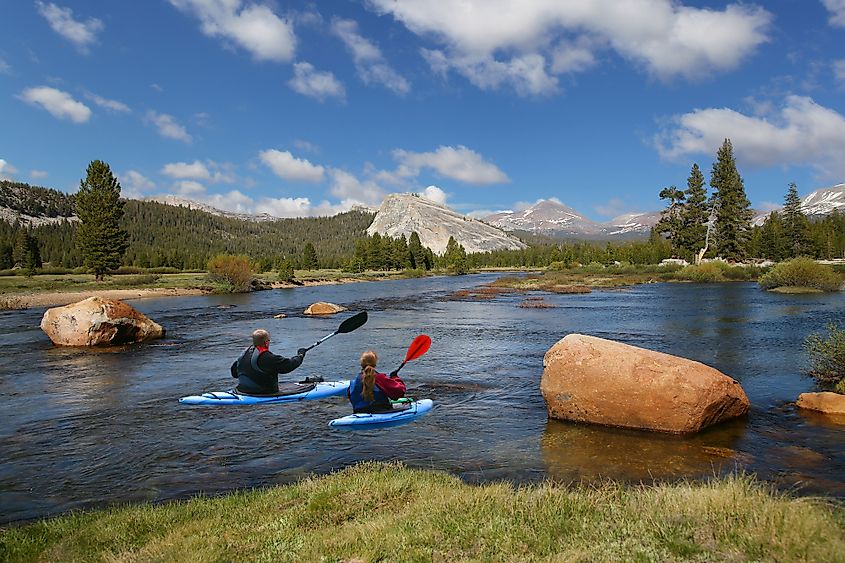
(418, 347)
(350, 324)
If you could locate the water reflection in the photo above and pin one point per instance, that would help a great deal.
(573, 452)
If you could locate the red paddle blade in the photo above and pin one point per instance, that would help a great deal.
(418, 347)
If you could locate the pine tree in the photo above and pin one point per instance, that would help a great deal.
(286, 273)
(695, 213)
(795, 224)
(670, 219)
(733, 212)
(773, 243)
(309, 257)
(418, 257)
(25, 253)
(455, 257)
(99, 237)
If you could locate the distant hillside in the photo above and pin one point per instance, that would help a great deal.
(167, 235)
(819, 203)
(402, 214)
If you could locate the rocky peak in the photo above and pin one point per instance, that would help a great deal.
(402, 214)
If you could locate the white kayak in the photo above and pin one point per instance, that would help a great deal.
(403, 412)
(288, 394)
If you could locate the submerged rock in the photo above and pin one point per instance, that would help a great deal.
(323, 308)
(98, 322)
(588, 379)
(826, 402)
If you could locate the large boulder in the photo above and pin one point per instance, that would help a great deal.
(98, 322)
(588, 379)
(826, 402)
(322, 308)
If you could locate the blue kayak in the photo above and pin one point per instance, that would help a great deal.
(289, 394)
(403, 412)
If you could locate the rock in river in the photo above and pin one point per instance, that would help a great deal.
(588, 379)
(98, 322)
(322, 308)
(826, 402)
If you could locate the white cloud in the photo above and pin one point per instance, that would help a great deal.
(311, 82)
(509, 42)
(354, 191)
(802, 133)
(7, 171)
(5, 68)
(254, 27)
(839, 72)
(458, 163)
(525, 73)
(80, 33)
(135, 185)
(285, 165)
(369, 61)
(767, 206)
(60, 104)
(434, 194)
(182, 170)
(837, 11)
(168, 127)
(197, 170)
(38, 174)
(113, 105)
(156, 87)
(191, 188)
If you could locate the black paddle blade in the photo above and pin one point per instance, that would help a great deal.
(353, 322)
(418, 347)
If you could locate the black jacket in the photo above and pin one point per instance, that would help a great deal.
(258, 372)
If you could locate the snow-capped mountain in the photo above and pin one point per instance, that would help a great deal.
(551, 218)
(402, 214)
(816, 204)
(547, 217)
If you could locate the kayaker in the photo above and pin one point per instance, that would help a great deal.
(372, 391)
(258, 369)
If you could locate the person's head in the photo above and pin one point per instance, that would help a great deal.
(369, 359)
(260, 337)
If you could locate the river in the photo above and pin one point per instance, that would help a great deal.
(86, 428)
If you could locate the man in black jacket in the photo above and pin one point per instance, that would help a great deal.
(258, 369)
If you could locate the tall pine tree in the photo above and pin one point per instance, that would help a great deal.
(695, 213)
(733, 210)
(99, 237)
(670, 218)
(796, 227)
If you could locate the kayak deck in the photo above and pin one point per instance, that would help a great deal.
(406, 412)
(309, 392)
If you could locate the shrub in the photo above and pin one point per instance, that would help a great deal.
(54, 270)
(742, 273)
(593, 268)
(233, 272)
(801, 272)
(827, 356)
(703, 273)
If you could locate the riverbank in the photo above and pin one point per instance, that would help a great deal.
(373, 512)
(21, 292)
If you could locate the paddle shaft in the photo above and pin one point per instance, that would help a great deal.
(323, 339)
(350, 324)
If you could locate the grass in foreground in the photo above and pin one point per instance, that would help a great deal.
(386, 512)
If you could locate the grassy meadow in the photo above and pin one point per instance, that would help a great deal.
(386, 512)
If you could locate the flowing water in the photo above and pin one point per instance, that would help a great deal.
(84, 428)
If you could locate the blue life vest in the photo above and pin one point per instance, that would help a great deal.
(360, 404)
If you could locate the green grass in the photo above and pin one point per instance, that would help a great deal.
(374, 512)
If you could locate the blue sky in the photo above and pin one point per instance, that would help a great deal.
(302, 108)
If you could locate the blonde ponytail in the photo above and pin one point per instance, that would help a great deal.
(369, 359)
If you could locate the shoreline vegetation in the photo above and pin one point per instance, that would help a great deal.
(51, 289)
(385, 511)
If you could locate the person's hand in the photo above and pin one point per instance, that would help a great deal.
(394, 373)
(301, 352)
